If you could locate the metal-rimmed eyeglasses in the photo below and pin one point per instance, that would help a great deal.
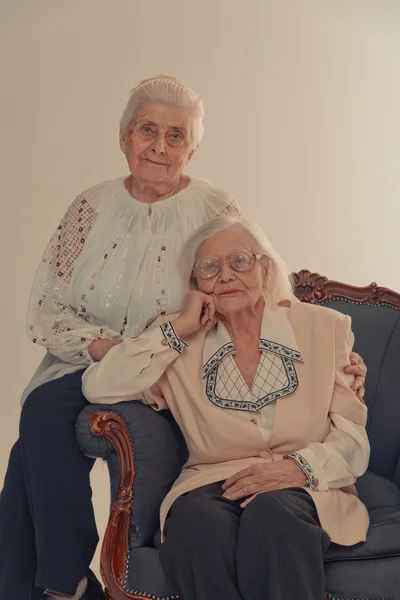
(239, 260)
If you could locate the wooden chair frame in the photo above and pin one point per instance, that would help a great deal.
(309, 287)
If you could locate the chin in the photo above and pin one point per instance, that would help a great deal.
(232, 304)
(156, 175)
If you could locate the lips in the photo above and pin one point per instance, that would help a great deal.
(154, 162)
(229, 292)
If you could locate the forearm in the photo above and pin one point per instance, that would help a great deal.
(339, 459)
(131, 368)
(67, 336)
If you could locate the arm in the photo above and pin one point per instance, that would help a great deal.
(134, 369)
(131, 370)
(51, 321)
(343, 455)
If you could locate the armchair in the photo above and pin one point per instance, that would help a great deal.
(145, 451)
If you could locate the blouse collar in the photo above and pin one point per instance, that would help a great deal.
(277, 337)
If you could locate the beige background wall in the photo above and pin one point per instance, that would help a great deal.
(302, 126)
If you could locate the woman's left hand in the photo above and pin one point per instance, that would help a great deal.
(357, 368)
(263, 477)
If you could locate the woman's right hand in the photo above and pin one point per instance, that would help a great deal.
(198, 311)
(99, 348)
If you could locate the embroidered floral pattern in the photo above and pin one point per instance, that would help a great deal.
(173, 340)
(304, 465)
(216, 358)
(67, 243)
(51, 321)
(231, 208)
(162, 296)
(117, 283)
(279, 349)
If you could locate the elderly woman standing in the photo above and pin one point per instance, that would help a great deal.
(275, 434)
(108, 272)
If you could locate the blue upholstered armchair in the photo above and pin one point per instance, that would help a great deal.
(145, 452)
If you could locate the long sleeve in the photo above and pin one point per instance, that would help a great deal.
(132, 369)
(51, 320)
(344, 454)
(339, 459)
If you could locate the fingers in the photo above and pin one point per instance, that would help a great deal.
(359, 383)
(245, 488)
(357, 360)
(247, 501)
(360, 395)
(208, 319)
(246, 482)
(239, 475)
(356, 370)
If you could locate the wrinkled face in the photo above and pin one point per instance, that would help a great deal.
(157, 146)
(233, 290)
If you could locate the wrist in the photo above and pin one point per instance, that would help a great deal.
(180, 327)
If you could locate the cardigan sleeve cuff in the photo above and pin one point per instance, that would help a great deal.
(309, 465)
(174, 342)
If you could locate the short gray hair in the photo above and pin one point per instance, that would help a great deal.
(278, 286)
(168, 90)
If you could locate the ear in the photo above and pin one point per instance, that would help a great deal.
(189, 158)
(266, 267)
(122, 141)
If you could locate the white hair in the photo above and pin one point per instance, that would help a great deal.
(278, 286)
(168, 90)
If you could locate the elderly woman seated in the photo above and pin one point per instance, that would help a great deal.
(275, 434)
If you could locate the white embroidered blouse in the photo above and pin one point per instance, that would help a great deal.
(110, 269)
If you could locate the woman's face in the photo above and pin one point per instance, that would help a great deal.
(234, 291)
(158, 142)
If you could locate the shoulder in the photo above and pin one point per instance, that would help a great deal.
(319, 314)
(97, 194)
(323, 326)
(215, 197)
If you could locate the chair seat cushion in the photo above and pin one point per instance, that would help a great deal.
(382, 498)
(370, 569)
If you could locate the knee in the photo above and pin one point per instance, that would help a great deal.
(39, 409)
(193, 522)
(267, 515)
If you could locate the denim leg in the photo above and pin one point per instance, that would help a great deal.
(199, 554)
(57, 489)
(280, 548)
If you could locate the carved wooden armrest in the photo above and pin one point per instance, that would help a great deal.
(114, 552)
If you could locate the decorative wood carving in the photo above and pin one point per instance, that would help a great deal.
(309, 287)
(115, 548)
(316, 289)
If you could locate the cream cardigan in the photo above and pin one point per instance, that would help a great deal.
(313, 395)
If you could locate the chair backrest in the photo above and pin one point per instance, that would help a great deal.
(375, 314)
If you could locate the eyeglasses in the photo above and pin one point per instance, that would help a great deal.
(239, 260)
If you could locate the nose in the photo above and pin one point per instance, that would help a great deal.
(159, 144)
(227, 273)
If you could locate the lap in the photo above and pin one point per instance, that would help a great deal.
(206, 507)
(203, 508)
(60, 400)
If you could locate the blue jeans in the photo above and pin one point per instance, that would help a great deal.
(48, 533)
(271, 550)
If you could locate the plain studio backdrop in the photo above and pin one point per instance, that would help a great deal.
(302, 125)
